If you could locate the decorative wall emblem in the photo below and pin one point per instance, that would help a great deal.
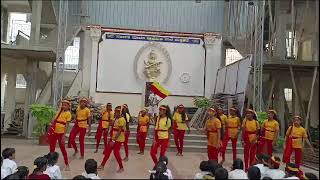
(185, 77)
(152, 63)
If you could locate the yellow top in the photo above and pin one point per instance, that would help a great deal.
(223, 119)
(143, 122)
(212, 126)
(233, 123)
(107, 118)
(163, 125)
(119, 123)
(83, 114)
(297, 133)
(64, 117)
(177, 117)
(251, 126)
(271, 127)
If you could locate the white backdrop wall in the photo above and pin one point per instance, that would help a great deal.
(116, 71)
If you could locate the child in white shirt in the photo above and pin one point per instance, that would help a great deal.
(165, 160)
(237, 170)
(53, 170)
(91, 169)
(8, 166)
(274, 172)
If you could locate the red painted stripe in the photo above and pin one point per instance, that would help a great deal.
(157, 91)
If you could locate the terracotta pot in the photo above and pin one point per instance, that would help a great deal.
(43, 141)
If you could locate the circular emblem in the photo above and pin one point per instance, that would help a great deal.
(152, 63)
(185, 77)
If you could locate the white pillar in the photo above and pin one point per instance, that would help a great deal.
(85, 62)
(10, 95)
(95, 34)
(30, 95)
(213, 45)
(36, 21)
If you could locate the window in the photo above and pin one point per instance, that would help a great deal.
(20, 81)
(288, 94)
(232, 55)
(18, 22)
(72, 55)
(289, 39)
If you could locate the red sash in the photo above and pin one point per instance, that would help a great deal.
(50, 132)
(288, 147)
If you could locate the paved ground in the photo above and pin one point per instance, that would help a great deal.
(137, 167)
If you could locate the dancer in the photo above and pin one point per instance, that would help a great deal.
(83, 119)
(104, 124)
(213, 131)
(58, 129)
(142, 130)
(126, 114)
(118, 137)
(162, 135)
(232, 129)
(250, 131)
(269, 132)
(180, 124)
(222, 116)
(295, 137)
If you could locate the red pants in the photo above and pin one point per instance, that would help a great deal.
(297, 157)
(53, 141)
(225, 144)
(142, 140)
(178, 139)
(154, 148)
(126, 147)
(213, 153)
(264, 142)
(116, 151)
(249, 154)
(99, 133)
(75, 130)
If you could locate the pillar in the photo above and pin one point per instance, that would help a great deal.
(280, 18)
(95, 34)
(4, 24)
(35, 22)
(213, 59)
(30, 96)
(84, 62)
(10, 95)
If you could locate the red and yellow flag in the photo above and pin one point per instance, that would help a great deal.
(157, 89)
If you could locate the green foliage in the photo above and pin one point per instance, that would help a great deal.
(43, 115)
(202, 102)
(314, 133)
(280, 141)
(261, 116)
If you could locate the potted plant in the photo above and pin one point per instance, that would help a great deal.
(43, 114)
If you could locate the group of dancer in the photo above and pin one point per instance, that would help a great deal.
(219, 128)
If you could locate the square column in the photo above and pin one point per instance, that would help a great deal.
(10, 95)
(95, 34)
(213, 46)
(35, 22)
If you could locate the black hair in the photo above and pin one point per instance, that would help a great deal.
(79, 177)
(259, 157)
(52, 158)
(266, 178)
(164, 159)
(311, 176)
(8, 152)
(221, 173)
(213, 166)
(22, 173)
(254, 173)
(204, 166)
(40, 164)
(265, 158)
(160, 169)
(237, 164)
(91, 166)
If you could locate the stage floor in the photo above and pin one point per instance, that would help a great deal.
(137, 167)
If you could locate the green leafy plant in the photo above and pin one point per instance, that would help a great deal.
(261, 116)
(280, 141)
(202, 102)
(43, 115)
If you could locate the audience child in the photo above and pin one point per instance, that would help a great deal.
(3, 172)
(159, 171)
(79, 177)
(8, 166)
(259, 164)
(221, 173)
(274, 172)
(265, 162)
(40, 165)
(292, 171)
(91, 169)
(53, 170)
(165, 160)
(213, 166)
(22, 173)
(204, 167)
(237, 171)
(254, 173)
(266, 178)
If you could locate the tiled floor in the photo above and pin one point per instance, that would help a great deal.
(136, 167)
